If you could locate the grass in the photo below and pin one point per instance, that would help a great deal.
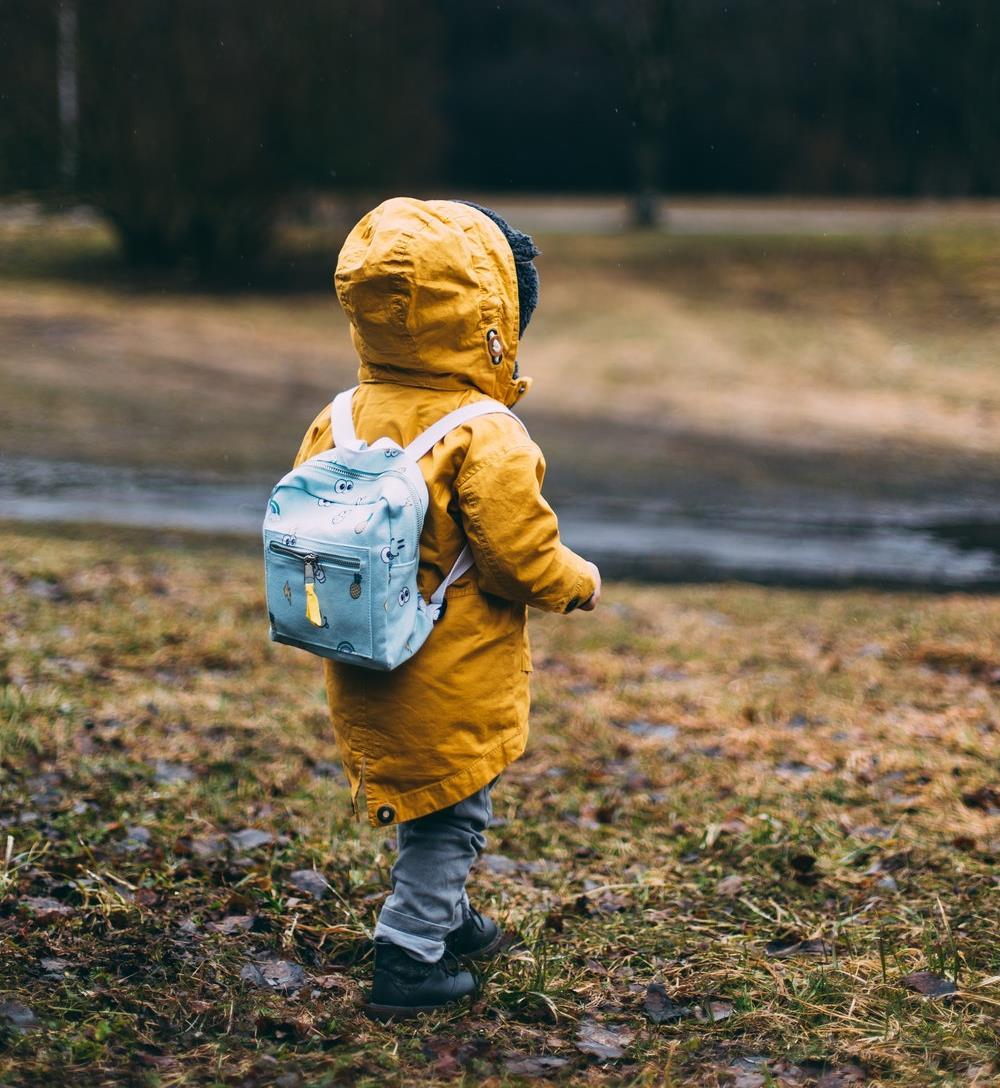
(821, 821)
(806, 343)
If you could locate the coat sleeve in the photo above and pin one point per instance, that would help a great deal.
(514, 533)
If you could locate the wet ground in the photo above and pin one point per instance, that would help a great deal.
(796, 534)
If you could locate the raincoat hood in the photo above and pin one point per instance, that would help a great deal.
(430, 287)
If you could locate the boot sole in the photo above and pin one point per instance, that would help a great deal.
(385, 1013)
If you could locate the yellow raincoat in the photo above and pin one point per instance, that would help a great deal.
(424, 283)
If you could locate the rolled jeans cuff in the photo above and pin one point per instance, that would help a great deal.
(422, 939)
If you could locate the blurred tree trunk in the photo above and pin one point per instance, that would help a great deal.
(67, 93)
(646, 41)
(638, 40)
(982, 96)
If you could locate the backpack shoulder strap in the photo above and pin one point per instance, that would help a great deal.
(424, 442)
(464, 561)
(421, 445)
(342, 419)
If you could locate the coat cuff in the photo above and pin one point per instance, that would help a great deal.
(582, 591)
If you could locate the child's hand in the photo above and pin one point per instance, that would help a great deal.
(590, 604)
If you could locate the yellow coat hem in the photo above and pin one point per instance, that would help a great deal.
(449, 791)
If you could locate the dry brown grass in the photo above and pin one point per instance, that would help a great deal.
(801, 341)
(716, 775)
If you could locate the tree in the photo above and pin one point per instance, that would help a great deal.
(29, 125)
(197, 117)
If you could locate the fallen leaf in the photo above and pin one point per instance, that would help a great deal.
(44, 908)
(747, 1079)
(209, 846)
(497, 863)
(18, 1016)
(136, 839)
(54, 968)
(166, 773)
(713, 1011)
(333, 982)
(158, 1061)
(280, 1028)
(794, 768)
(311, 882)
(606, 1043)
(46, 590)
(929, 984)
(250, 838)
(450, 1056)
(280, 975)
(233, 923)
(841, 1075)
(730, 885)
(542, 1066)
(986, 798)
(609, 903)
(660, 1008)
(890, 864)
(784, 948)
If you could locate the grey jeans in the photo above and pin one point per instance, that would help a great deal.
(428, 897)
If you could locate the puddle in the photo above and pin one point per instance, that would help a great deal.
(940, 546)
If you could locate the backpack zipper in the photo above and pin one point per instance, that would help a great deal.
(312, 566)
(336, 466)
(317, 559)
(358, 473)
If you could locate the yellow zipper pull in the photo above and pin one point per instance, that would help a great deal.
(313, 614)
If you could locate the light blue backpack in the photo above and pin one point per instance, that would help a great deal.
(342, 544)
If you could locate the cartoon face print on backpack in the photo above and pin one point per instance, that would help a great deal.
(404, 596)
(343, 486)
(388, 555)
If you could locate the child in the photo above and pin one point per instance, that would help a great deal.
(438, 294)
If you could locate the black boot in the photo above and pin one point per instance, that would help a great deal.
(477, 938)
(405, 986)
